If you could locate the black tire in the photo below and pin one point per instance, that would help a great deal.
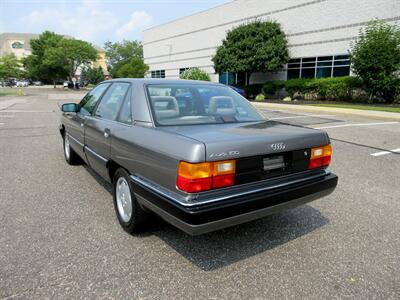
(135, 222)
(72, 158)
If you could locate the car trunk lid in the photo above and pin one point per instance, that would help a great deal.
(262, 150)
(234, 140)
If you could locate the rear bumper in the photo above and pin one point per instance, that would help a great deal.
(234, 210)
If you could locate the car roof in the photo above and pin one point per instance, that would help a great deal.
(163, 81)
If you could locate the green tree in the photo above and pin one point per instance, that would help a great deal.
(375, 58)
(253, 47)
(125, 59)
(92, 75)
(55, 58)
(77, 53)
(47, 61)
(195, 74)
(136, 68)
(10, 67)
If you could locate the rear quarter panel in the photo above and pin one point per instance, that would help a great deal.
(154, 154)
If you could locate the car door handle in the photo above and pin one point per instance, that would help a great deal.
(106, 133)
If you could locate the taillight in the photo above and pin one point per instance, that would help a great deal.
(320, 157)
(198, 177)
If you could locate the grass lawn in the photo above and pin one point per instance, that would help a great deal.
(395, 109)
(16, 93)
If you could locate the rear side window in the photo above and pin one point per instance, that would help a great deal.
(89, 102)
(125, 115)
(112, 101)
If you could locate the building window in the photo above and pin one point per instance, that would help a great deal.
(181, 70)
(158, 74)
(319, 67)
(230, 78)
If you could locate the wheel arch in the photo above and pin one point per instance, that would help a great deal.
(112, 167)
(61, 128)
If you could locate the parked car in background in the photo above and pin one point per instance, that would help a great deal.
(37, 83)
(239, 90)
(8, 83)
(68, 85)
(195, 153)
(22, 83)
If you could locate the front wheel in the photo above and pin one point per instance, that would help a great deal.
(71, 157)
(129, 213)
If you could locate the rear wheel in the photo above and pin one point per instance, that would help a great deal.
(129, 213)
(70, 155)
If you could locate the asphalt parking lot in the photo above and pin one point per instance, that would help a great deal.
(60, 238)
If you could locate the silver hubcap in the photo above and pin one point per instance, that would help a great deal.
(66, 147)
(124, 200)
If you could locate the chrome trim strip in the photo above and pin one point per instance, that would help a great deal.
(95, 154)
(75, 140)
(185, 202)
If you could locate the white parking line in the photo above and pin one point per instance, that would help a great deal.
(386, 152)
(1, 123)
(360, 124)
(303, 116)
(7, 116)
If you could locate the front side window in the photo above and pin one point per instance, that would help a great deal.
(191, 104)
(112, 101)
(89, 102)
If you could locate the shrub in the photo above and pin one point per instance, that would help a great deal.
(252, 90)
(296, 87)
(260, 97)
(375, 58)
(195, 74)
(337, 88)
(272, 87)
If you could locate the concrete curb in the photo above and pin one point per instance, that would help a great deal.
(332, 110)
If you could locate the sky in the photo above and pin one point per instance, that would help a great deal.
(95, 21)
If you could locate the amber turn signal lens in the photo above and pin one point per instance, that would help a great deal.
(197, 177)
(320, 157)
(195, 171)
(321, 151)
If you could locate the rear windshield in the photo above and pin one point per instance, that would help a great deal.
(192, 104)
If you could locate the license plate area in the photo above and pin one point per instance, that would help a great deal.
(255, 168)
(274, 163)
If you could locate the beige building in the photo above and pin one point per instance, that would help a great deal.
(19, 44)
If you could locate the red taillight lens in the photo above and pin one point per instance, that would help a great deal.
(223, 181)
(199, 177)
(320, 157)
(193, 185)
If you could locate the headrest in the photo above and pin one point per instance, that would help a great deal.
(222, 105)
(165, 106)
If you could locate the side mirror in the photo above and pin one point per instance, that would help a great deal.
(70, 107)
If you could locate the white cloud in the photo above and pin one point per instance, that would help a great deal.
(138, 21)
(87, 21)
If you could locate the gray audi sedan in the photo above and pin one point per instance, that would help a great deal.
(195, 153)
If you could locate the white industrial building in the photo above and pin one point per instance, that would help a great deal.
(320, 33)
